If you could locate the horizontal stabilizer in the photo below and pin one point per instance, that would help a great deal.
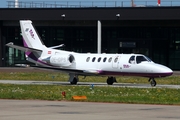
(25, 49)
(58, 46)
(22, 65)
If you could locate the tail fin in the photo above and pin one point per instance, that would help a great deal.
(30, 36)
(32, 41)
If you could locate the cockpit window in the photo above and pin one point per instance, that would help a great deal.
(132, 60)
(148, 59)
(140, 59)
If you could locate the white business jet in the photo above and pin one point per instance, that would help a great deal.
(87, 64)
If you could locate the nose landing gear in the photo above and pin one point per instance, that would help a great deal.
(152, 82)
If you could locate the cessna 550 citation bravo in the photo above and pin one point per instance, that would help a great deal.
(87, 64)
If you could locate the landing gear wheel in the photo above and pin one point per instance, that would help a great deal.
(111, 80)
(74, 82)
(152, 82)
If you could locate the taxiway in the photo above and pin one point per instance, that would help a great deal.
(88, 84)
(62, 110)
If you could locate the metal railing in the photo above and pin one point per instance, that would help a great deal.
(80, 4)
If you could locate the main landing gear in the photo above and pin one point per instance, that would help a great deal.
(152, 82)
(111, 80)
(75, 80)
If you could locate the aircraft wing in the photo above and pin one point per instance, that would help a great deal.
(76, 71)
(25, 49)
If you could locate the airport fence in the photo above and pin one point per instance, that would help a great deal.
(80, 4)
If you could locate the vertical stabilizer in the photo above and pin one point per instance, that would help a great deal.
(31, 40)
(30, 36)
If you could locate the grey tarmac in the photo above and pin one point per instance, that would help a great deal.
(132, 85)
(63, 110)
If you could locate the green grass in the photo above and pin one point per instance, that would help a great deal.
(42, 76)
(98, 94)
(56, 76)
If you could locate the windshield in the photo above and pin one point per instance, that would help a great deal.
(140, 59)
(148, 58)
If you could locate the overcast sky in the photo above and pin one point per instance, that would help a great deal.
(3, 3)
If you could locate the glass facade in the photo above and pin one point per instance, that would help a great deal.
(12, 56)
(161, 44)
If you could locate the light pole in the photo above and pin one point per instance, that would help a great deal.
(16, 4)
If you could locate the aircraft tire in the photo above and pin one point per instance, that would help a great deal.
(74, 82)
(153, 82)
(110, 80)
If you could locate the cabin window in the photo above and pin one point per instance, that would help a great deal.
(116, 59)
(132, 60)
(93, 59)
(104, 60)
(110, 59)
(87, 60)
(99, 59)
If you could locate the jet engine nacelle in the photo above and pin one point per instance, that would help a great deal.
(62, 60)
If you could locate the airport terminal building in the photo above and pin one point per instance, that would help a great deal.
(152, 31)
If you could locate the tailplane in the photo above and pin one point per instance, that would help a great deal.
(25, 49)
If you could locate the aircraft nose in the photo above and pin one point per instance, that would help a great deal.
(165, 70)
(168, 71)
